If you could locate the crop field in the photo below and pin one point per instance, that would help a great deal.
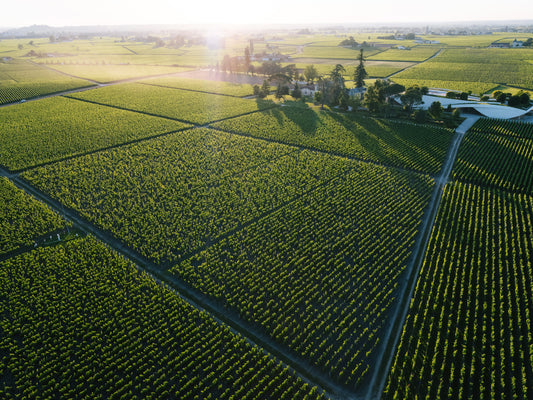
(335, 52)
(183, 105)
(198, 184)
(22, 80)
(22, 218)
(387, 142)
(473, 69)
(468, 331)
(109, 73)
(112, 59)
(319, 275)
(207, 86)
(79, 321)
(51, 129)
(476, 88)
(468, 334)
(416, 54)
(511, 141)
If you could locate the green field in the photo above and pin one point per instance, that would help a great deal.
(387, 142)
(468, 332)
(511, 141)
(198, 184)
(478, 70)
(22, 80)
(22, 218)
(207, 86)
(110, 73)
(79, 321)
(417, 54)
(51, 129)
(187, 106)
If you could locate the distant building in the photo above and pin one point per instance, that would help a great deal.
(517, 43)
(308, 90)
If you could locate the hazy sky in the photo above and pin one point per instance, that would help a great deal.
(109, 12)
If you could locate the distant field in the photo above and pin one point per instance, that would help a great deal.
(377, 69)
(50, 129)
(23, 80)
(416, 53)
(478, 88)
(194, 107)
(109, 73)
(334, 52)
(208, 86)
(489, 67)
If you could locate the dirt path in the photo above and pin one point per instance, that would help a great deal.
(408, 284)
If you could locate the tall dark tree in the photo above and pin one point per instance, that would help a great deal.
(360, 72)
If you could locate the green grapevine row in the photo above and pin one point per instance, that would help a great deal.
(420, 148)
(507, 127)
(21, 80)
(79, 321)
(319, 275)
(505, 161)
(50, 129)
(469, 331)
(194, 107)
(220, 87)
(22, 218)
(169, 196)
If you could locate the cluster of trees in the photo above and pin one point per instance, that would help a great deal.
(520, 99)
(350, 42)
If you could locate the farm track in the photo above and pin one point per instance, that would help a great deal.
(249, 332)
(395, 328)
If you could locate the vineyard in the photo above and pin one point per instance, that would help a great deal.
(477, 70)
(387, 142)
(79, 321)
(51, 129)
(468, 334)
(511, 141)
(183, 105)
(197, 185)
(319, 275)
(22, 219)
(110, 73)
(416, 54)
(227, 88)
(22, 80)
